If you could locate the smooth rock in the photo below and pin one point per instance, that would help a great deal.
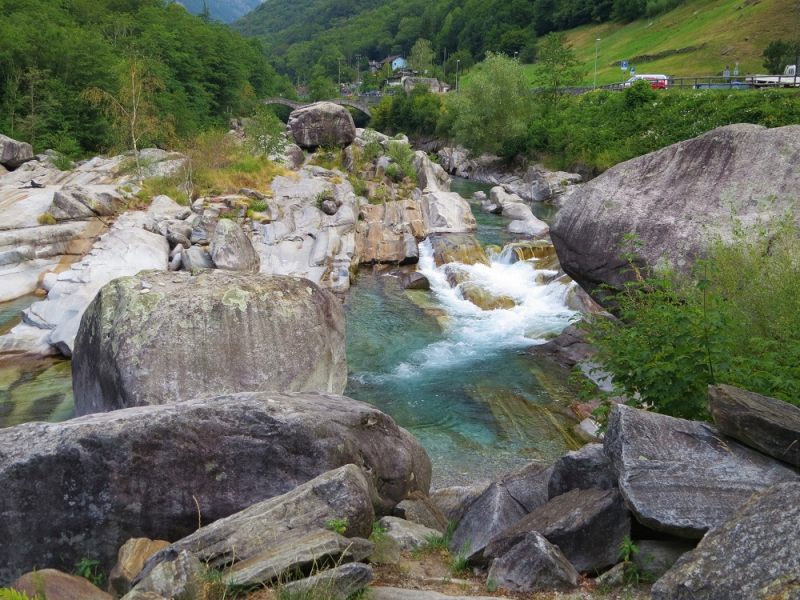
(675, 199)
(463, 248)
(195, 259)
(143, 472)
(766, 424)
(14, 153)
(163, 207)
(180, 579)
(455, 500)
(387, 551)
(430, 176)
(533, 564)
(281, 559)
(503, 504)
(417, 508)
(517, 211)
(341, 494)
(339, 583)
(227, 332)
(754, 555)
(529, 227)
(232, 250)
(58, 586)
(390, 593)
(584, 469)
(447, 212)
(587, 525)
(78, 202)
(683, 477)
(414, 280)
(131, 558)
(321, 124)
(409, 535)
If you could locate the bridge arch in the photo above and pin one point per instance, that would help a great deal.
(341, 101)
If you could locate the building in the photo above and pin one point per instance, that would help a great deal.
(433, 84)
(397, 62)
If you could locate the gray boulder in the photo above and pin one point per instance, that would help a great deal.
(281, 559)
(447, 212)
(533, 564)
(417, 508)
(430, 176)
(78, 202)
(587, 525)
(232, 250)
(455, 500)
(755, 555)
(339, 583)
(161, 337)
(414, 280)
(181, 579)
(14, 153)
(390, 593)
(409, 535)
(674, 199)
(322, 124)
(766, 424)
(341, 494)
(138, 472)
(528, 227)
(503, 504)
(683, 477)
(196, 259)
(584, 469)
(50, 584)
(517, 211)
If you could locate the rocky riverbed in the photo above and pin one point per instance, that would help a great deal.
(215, 450)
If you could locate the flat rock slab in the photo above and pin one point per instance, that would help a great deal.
(755, 555)
(180, 578)
(282, 558)
(533, 564)
(683, 477)
(335, 584)
(409, 535)
(138, 472)
(161, 337)
(766, 424)
(586, 525)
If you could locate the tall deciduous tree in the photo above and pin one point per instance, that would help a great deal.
(133, 108)
(421, 58)
(558, 67)
(495, 108)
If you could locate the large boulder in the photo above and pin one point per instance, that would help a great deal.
(674, 199)
(322, 124)
(14, 153)
(766, 424)
(683, 477)
(533, 564)
(145, 472)
(584, 469)
(56, 585)
(755, 555)
(162, 337)
(447, 212)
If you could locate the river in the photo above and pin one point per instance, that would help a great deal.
(459, 378)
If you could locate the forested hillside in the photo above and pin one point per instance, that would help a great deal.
(301, 32)
(195, 73)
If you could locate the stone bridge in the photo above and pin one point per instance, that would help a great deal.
(297, 104)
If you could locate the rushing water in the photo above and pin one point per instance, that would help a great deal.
(459, 378)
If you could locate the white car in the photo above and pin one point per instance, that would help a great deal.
(659, 82)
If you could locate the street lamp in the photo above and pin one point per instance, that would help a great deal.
(457, 61)
(596, 44)
(515, 55)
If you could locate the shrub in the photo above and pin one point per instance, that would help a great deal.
(395, 172)
(46, 219)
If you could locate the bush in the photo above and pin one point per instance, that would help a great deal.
(46, 219)
(395, 172)
(733, 321)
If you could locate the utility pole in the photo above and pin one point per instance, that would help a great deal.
(339, 62)
(444, 64)
(358, 75)
(596, 44)
(457, 61)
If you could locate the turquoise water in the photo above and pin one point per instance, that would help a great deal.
(32, 390)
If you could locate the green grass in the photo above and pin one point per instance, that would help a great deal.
(741, 32)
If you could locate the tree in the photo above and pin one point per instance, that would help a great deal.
(421, 58)
(322, 88)
(779, 54)
(558, 67)
(133, 108)
(496, 108)
(265, 133)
